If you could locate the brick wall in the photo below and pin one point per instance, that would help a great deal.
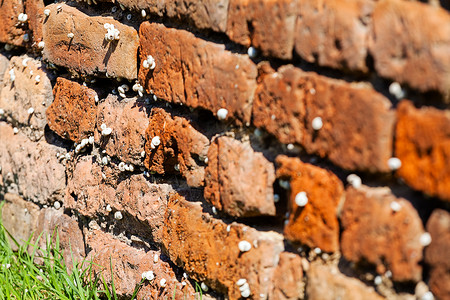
(301, 145)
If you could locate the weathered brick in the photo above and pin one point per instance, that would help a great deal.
(72, 114)
(181, 147)
(267, 25)
(183, 72)
(410, 44)
(89, 194)
(24, 93)
(326, 282)
(4, 64)
(35, 12)
(128, 120)
(11, 30)
(88, 52)
(438, 252)
(128, 265)
(202, 14)
(287, 280)
(316, 224)
(423, 146)
(209, 252)
(287, 102)
(31, 169)
(239, 180)
(374, 232)
(334, 33)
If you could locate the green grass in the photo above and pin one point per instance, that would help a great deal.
(21, 277)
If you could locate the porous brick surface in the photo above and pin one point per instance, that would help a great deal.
(267, 25)
(334, 33)
(182, 148)
(287, 102)
(437, 252)
(423, 145)
(212, 253)
(182, 73)
(315, 224)
(23, 93)
(375, 233)
(11, 30)
(72, 114)
(31, 169)
(88, 52)
(35, 10)
(129, 263)
(239, 180)
(325, 282)
(410, 44)
(288, 278)
(128, 120)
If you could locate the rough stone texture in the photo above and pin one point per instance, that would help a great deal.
(31, 169)
(267, 25)
(288, 278)
(182, 147)
(72, 114)
(410, 44)
(438, 252)
(88, 52)
(22, 219)
(129, 264)
(210, 14)
(316, 224)
(35, 11)
(209, 252)
(11, 30)
(4, 64)
(128, 120)
(89, 194)
(239, 180)
(334, 33)
(374, 233)
(25, 93)
(423, 145)
(287, 101)
(183, 72)
(326, 282)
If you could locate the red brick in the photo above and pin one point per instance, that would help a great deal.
(31, 169)
(287, 102)
(288, 278)
(128, 121)
(410, 44)
(184, 72)
(267, 25)
(210, 253)
(88, 52)
(16, 99)
(438, 252)
(334, 33)
(128, 265)
(181, 147)
(4, 64)
(11, 30)
(423, 146)
(316, 224)
(373, 232)
(89, 194)
(35, 12)
(72, 114)
(239, 180)
(202, 14)
(326, 282)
